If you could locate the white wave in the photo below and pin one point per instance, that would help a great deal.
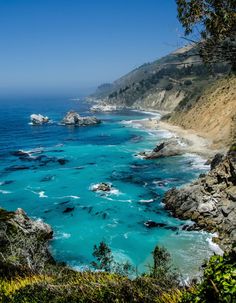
(36, 150)
(153, 113)
(139, 156)
(61, 235)
(69, 196)
(5, 192)
(198, 162)
(133, 123)
(215, 247)
(146, 201)
(42, 194)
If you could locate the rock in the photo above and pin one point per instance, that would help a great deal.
(231, 192)
(152, 224)
(7, 182)
(102, 187)
(210, 201)
(216, 160)
(47, 178)
(38, 119)
(68, 210)
(165, 149)
(73, 118)
(20, 153)
(206, 207)
(62, 161)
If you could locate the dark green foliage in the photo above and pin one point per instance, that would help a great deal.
(217, 21)
(105, 261)
(188, 82)
(104, 257)
(162, 270)
(218, 283)
(169, 86)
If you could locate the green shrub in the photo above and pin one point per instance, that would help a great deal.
(218, 283)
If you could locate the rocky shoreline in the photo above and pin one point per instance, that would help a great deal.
(210, 201)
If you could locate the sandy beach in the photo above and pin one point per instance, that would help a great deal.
(193, 142)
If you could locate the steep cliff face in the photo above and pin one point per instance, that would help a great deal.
(211, 200)
(162, 84)
(213, 114)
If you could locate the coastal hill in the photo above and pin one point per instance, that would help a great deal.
(195, 96)
(162, 84)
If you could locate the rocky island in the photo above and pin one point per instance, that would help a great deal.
(73, 118)
(38, 119)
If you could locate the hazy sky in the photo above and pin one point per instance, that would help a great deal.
(70, 46)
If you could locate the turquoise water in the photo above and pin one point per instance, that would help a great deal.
(103, 153)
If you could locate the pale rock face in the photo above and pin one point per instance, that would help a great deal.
(38, 119)
(73, 118)
(211, 200)
(206, 207)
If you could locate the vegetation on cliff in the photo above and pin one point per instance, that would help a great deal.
(20, 282)
(216, 23)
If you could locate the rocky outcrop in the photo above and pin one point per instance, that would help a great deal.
(165, 149)
(38, 119)
(102, 187)
(73, 118)
(24, 242)
(210, 201)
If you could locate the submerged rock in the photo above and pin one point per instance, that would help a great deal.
(152, 224)
(16, 167)
(68, 210)
(38, 119)
(73, 118)
(62, 161)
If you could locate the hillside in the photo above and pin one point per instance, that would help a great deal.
(162, 84)
(213, 114)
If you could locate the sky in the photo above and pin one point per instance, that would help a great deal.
(71, 46)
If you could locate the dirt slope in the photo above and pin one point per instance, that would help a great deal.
(214, 114)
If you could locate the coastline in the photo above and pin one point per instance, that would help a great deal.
(191, 141)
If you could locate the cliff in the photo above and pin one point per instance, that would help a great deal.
(213, 114)
(211, 200)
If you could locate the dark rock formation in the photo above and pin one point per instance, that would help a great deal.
(210, 201)
(73, 118)
(62, 161)
(102, 187)
(68, 210)
(151, 224)
(165, 149)
(24, 242)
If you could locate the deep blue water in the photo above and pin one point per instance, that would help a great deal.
(103, 153)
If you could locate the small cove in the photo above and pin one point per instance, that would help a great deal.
(44, 188)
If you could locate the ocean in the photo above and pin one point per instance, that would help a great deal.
(60, 192)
